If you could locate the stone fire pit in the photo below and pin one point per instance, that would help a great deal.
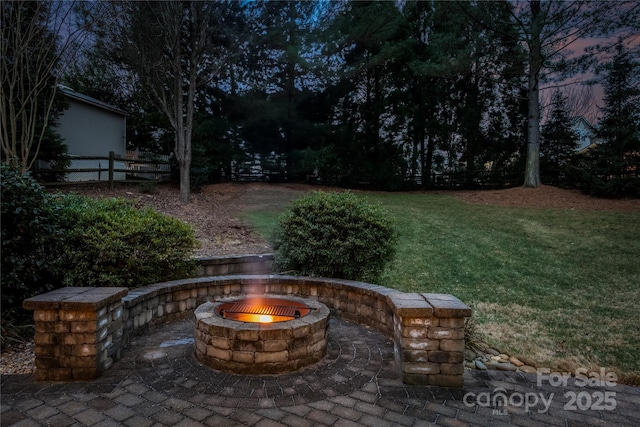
(274, 347)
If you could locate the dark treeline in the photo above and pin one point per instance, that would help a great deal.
(381, 94)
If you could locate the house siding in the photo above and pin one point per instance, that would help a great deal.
(585, 133)
(92, 131)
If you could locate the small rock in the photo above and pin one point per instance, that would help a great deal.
(528, 369)
(469, 354)
(496, 358)
(469, 365)
(480, 365)
(515, 361)
(491, 364)
(528, 361)
(492, 351)
(505, 366)
(504, 356)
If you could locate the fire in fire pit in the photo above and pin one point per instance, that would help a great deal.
(263, 310)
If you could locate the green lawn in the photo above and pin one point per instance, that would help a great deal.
(560, 287)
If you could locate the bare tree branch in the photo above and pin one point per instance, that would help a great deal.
(37, 39)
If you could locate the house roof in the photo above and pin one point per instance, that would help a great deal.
(92, 101)
(581, 119)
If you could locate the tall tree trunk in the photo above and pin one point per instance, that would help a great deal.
(532, 167)
(183, 155)
(288, 131)
(428, 161)
(185, 181)
(184, 112)
(414, 154)
(473, 133)
(424, 172)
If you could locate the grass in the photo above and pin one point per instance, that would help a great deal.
(559, 287)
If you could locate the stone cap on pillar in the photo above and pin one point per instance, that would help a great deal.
(409, 305)
(74, 297)
(446, 305)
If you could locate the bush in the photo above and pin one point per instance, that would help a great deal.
(334, 235)
(111, 243)
(598, 174)
(32, 238)
(49, 242)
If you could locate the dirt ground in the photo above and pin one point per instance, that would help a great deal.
(216, 211)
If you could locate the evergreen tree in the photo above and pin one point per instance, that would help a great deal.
(559, 142)
(458, 80)
(620, 125)
(274, 79)
(368, 41)
(613, 168)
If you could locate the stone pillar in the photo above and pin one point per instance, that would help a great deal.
(429, 338)
(78, 332)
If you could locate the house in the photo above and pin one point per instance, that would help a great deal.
(586, 133)
(92, 128)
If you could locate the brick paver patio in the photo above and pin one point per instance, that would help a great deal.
(158, 382)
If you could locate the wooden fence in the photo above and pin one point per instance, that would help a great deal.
(461, 180)
(111, 169)
(114, 169)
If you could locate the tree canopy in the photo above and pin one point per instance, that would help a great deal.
(387, 94)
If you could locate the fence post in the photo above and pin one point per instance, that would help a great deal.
(112, 156)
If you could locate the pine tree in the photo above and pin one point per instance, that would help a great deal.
(613, 168)
(619, 159)
(620, 126)
(559, 142)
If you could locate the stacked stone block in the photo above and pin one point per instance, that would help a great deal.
(78, 332)
(223, 265)
(429, 338)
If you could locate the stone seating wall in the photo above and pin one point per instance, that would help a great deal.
(427, 329)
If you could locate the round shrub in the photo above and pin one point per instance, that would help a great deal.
(334, 235)
(32, 238)
(112, 243)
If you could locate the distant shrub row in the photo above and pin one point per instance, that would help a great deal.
(50, 241)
